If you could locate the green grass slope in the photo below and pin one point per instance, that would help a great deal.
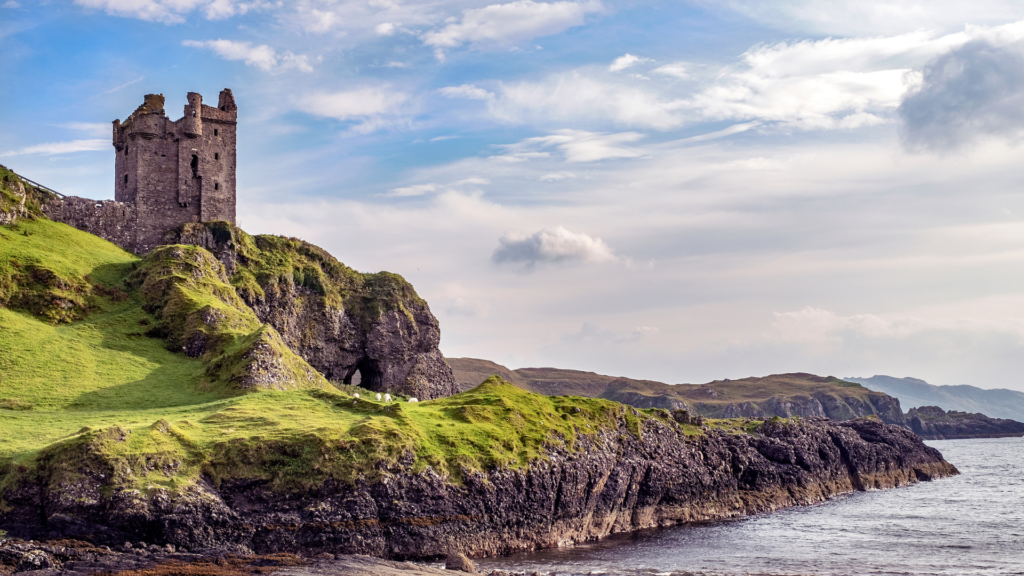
(154, 371)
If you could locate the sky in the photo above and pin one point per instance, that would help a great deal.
(675, 190)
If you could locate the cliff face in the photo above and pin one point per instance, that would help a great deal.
(340, 321)
(618, 480)
(934, 423)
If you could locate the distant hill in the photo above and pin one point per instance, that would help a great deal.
(783, 395)
(914, 393)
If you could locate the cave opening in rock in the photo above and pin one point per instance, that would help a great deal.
(366, 373)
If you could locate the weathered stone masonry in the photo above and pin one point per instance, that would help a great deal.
(166, 173)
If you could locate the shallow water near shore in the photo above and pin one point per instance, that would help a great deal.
(969, 524)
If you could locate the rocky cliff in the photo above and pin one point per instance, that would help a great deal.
(934, 423)
(369, 328)
(634, 471)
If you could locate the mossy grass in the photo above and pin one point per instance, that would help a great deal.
(269, 265)
(113, 392)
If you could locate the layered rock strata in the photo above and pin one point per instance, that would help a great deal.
(616, 481)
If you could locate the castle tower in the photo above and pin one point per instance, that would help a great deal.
(176, 172)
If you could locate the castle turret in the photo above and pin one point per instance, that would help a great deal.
(226, 102)
(118, 136)
(192, 123)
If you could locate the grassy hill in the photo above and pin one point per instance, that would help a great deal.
(155, 371)
(778, 394)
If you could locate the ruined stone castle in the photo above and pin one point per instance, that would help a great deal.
(166, 173)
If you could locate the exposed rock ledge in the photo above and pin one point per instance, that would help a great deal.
(614, 483)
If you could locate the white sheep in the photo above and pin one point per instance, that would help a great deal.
(356, 394)
(378, 396)
(387, 397)
(413, 400)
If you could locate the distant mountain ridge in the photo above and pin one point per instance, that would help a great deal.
(914, 393)
(784, 395)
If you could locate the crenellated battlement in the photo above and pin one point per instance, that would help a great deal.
(174, 172)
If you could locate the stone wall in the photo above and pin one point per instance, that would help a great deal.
(108, 219)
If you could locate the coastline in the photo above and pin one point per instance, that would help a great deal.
(617, 482)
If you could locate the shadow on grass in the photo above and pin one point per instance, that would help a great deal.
(173, 379)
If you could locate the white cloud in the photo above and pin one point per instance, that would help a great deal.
(168, 11)
(416, 190)
(263, 57)
(385, 29)
(92, 128)
(396, 64)
(822, 84)
(11, 4)
(507, 24)
(626, 61)
(423, 189)
(550, 246)
(581, 146)
(466, 91)
(872, 17)
(51, 148)
(557, 176)
(372, 107)
(675, 70)
(574, 97)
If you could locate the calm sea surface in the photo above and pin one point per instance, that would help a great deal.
(970, 524)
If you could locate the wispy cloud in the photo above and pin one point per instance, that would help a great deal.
(581, 146)
(507, 24)
(466, 91)
(626, 61)
(423, 189)
(52, 148)
(372, 108)
(169, 11)
(263, 57)
(125, 85)
(92, 128)
(675, 70)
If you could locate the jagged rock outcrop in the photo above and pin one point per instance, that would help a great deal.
(934, 423)
(19, 199)
(615, 481)
(340, 321)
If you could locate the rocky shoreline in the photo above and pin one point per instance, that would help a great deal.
(616, 481)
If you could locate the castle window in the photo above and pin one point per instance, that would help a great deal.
(214, 131)
(216, 155)
(125, 150)
(216, 186)
(125, 178)
(195, 166)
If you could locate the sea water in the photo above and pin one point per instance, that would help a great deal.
(968, 524)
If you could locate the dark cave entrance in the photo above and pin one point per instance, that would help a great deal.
(367, 374)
